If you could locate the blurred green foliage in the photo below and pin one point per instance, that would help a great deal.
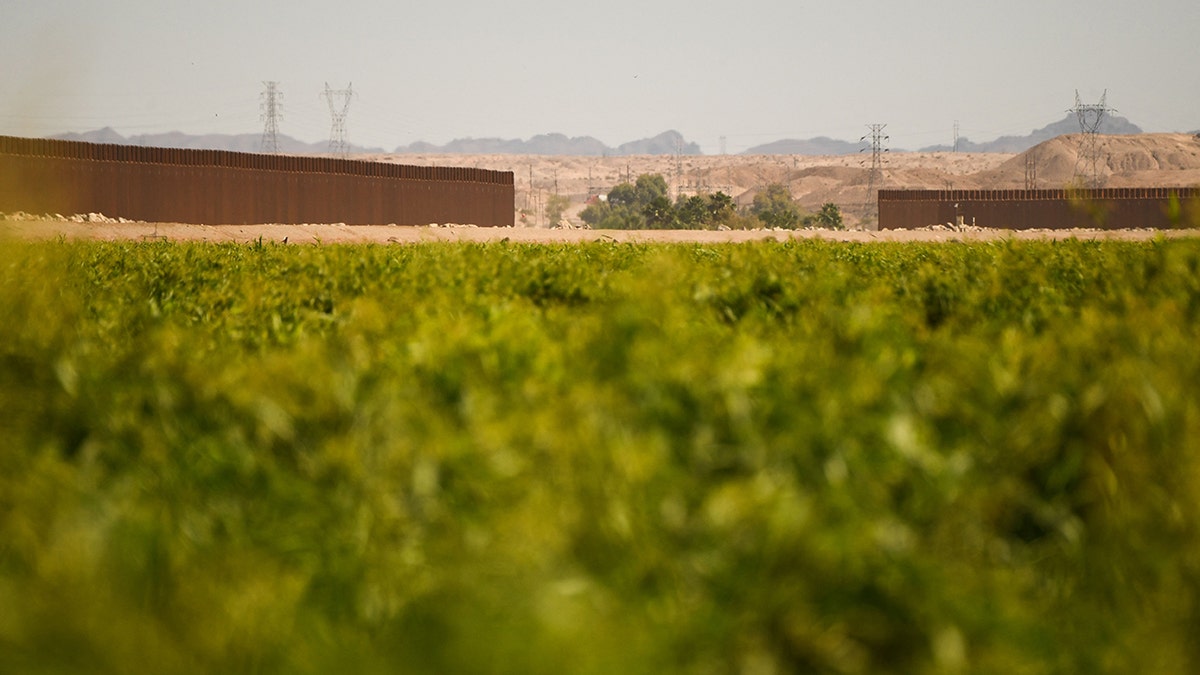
(605, 458)
(774, 206)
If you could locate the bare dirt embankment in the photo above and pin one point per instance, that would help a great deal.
(397, 234)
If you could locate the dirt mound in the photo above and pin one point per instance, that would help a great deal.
(818, 185)
(1157, 159)
(923, 178)
(1143, 160)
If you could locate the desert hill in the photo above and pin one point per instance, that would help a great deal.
(666, 143)
(234, 142)
(821, 145)
(1111, 125)
(1143, 160)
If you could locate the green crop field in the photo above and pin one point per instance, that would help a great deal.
(800, 457)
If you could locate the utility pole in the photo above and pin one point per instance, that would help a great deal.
(875, 174)
(271, 111)
(955, 135)
(1090, 117)
(678, 167)
(339, 105)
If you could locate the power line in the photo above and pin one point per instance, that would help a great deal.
(272, 111)
(339, 106)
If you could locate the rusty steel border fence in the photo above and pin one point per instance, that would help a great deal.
(219, 187)
(1052, 209)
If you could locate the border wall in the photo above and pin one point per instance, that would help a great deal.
(217, 187)
(1104, 208)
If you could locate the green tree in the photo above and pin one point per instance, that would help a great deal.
(705, 211)
(721, 209)
(624, 194)
(633, 206)
(659, 213)
(829, 217)
(595, 213)
(692, 212)
(651, 186)
(556, 206)
(775, 207)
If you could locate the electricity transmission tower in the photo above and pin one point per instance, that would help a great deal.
(1090, 117)
(1031, 162)
(875, 174)
(272, 112)
(955, 135)
(339, 105)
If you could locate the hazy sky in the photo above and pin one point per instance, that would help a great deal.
(751, 71)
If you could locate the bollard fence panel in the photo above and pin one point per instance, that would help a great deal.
(1052, 209)
(220, 187)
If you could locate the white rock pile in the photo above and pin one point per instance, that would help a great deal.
(77, 218)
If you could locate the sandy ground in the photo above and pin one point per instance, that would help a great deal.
(395, 234)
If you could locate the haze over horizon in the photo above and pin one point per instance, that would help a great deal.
(751, 73)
